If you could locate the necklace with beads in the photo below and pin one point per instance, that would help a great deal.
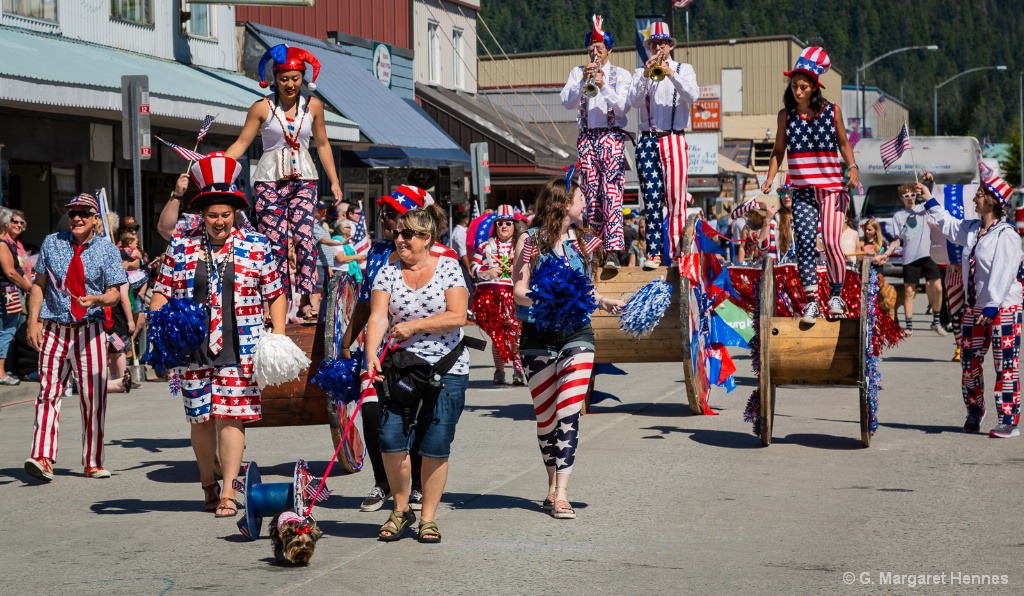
(291, 135)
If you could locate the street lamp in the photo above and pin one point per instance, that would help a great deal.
(935, 93)
(863, 107)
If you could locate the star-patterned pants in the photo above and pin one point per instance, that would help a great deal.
(558, 370)
(1004, 335)
(286, 207)
(603, 165)
(218, 392)
(663, 163)
(812, 207)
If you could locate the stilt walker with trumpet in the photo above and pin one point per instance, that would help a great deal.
(663, 90)
(598, 91)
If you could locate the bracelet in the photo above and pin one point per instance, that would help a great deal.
(853, 166)
(174, 196)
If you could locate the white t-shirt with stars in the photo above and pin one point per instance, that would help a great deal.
(407, 304)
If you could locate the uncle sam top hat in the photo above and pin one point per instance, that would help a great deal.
(813, 62)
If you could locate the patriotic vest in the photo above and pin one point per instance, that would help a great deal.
(613, 80)
(499, 254)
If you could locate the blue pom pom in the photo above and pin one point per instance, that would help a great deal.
(175, 332)
(645, 308)
(339, 378)
(563, 298)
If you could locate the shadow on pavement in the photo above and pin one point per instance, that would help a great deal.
(133, 506)
(714, 438)
(912, 359)
(820, 441)
(496, 501)
(339, 529)
(173, 472)
(151, 445)
(518, 412)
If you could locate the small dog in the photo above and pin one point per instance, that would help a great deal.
(887, 297)
(293, 538)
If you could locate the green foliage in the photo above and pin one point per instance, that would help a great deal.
(1011, 167)
(969, 34)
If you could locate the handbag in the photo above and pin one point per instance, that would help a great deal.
(12, 301)
(410, 381)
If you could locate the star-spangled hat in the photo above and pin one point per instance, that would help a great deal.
(597, 34)
(215, 176)
(505, 212)
(996, 185)
(406, 198)
(288, 58)
(813, 62)
(659, 32)
(84, 201)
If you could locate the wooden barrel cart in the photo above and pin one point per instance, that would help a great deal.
(828, 353)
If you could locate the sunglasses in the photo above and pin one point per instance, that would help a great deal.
(408, 234)
(17, 222)
(909, 196)
(81, 214)
(386, 215)
(504, 223)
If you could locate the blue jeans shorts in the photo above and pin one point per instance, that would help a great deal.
(435, 427)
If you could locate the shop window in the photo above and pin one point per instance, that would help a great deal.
(136, 11)
(200, 22)
(459, 64)
(36, 9)
(433, 54)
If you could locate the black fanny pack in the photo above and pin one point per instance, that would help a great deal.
(410, 381)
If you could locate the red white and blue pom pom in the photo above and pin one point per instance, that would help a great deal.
(276, 360)
(175, 332)
(339, 378)
(563, 298)
(645, 308)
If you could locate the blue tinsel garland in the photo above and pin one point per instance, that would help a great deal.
(645, 308)
(175, 332)
(339, 378)
(871, 373)
(752, 413)
(563, 298)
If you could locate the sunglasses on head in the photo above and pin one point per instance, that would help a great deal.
(408, 234)
(81, 214)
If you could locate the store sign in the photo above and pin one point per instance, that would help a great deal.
(381, 61)
(702, 151)
(706, 114)
(710, 92)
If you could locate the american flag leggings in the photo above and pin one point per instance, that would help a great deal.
(812, 207)
(558, 385)
(662, 164)
(283, 207)
(1004, 335)
(603, 162)
(84, 350)
(955, 298)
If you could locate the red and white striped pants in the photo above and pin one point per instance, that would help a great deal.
(811, 207)
(83, 349)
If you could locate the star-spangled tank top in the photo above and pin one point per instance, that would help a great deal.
(812, 150)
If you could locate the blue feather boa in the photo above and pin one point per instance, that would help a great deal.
(175, 332)
(339, 378)
(563, 298)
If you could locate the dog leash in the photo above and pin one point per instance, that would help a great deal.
(388, 346)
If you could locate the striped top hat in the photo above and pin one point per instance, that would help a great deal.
(215, 176)
(996, 185)
(659, 32)
(597, 34)
(288, 58)
(406, 198)
(813, 62)
(505, 212)
(84, 201)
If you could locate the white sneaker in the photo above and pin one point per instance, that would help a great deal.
(939, 330)
(416, 500)
(374, 500)
(811, 313)
(836, 306)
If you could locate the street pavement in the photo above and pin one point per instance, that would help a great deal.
(667, 502)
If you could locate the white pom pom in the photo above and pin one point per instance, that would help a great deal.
(312, 86)
(277, 360)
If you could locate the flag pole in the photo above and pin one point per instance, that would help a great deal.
(912, 160)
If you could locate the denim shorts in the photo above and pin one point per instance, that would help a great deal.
(533, 342)
(436, 428)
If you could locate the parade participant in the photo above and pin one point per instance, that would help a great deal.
(231, 274)
(598, 92)
(911, 231)
(663, 90)
(75, 279)
(493, 305)
(12, 283)
(405, 198)
(559, 364)
(285, 180)
(812, 137)
(772, 226)
(992, 314)
(420, 302)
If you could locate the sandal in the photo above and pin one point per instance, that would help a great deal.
(227, 504)
(562, 510)
(428, 533)
(549, 502)
(212, 493)
(399, 522)
(126, 381)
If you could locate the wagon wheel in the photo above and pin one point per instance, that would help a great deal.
(865, 278)
(767, 299)
(695, 386)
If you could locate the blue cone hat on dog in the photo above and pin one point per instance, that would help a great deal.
(267, 499)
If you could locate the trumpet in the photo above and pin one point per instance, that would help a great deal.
(590, 88)
(658, 72)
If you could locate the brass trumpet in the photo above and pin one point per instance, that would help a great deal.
(658, 71)
(590, 88)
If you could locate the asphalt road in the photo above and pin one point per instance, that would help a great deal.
(667, 502)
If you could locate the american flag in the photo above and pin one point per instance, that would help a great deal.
(205, 128)
(360, 239)
(892, 150)
(182, 151)
(677, 4)
(880, 105)
(116, 342)
(310, 490)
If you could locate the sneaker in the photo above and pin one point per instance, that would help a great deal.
(39, 468)
(908, 332)
(499, 378)
(939, 330)
(652, 263)
(1004, 431)
(519, 378)
(10, 381)
(374, 500)
(811, 313)
(96, 472)
(836, 306)
(416, 500)
(612, 262)
(973, 424)
(956, 355)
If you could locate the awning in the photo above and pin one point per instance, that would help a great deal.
(728, 166)
(53, 71)
(407, 135)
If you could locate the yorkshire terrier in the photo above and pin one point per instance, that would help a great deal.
(293, 538)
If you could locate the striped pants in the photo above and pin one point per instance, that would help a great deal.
(286, 208)
(663, 163)
(603, 162)
(812, 206)
(1004, 335)
(84, 350)
(955, 297)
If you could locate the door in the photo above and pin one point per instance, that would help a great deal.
(732, 90)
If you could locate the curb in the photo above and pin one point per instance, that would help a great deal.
(19, 393)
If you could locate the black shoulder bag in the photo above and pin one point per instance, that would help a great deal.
(410, 381)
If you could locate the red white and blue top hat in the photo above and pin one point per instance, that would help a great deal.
(597, 34)
(996, 185)
(505, 212)
(813, 62)
(659, 32)
(215, 176)
(288, 58)
(406, 198)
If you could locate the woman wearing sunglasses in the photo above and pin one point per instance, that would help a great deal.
(493, 304)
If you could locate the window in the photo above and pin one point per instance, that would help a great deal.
(36, 9)
(200, 22)
(433, 54)
(763, 154)
(136, 11)
(459, 65)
